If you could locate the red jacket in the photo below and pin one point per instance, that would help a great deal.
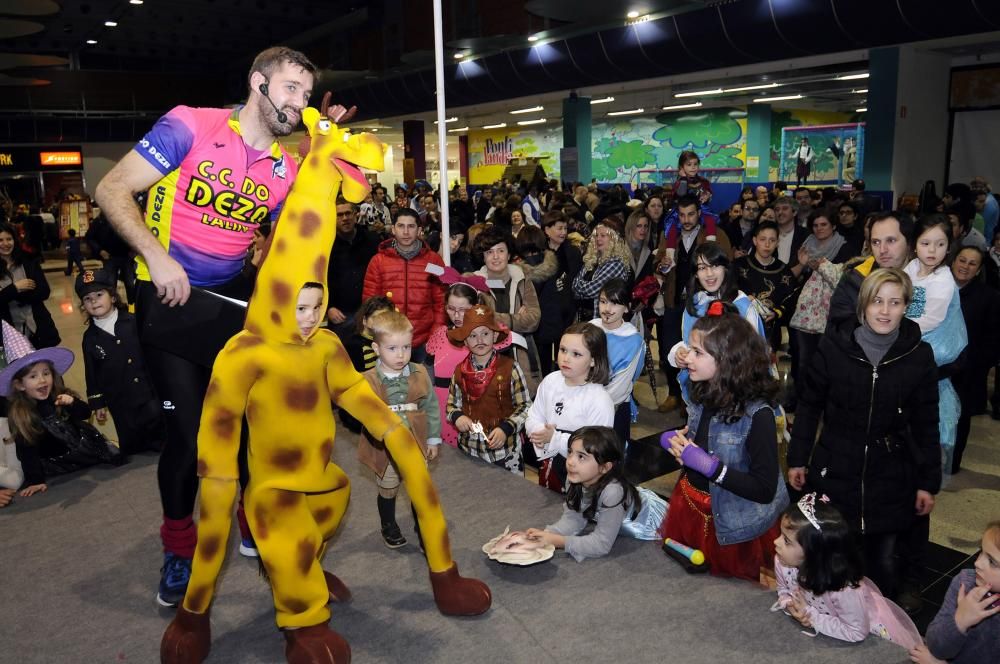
(416, 293)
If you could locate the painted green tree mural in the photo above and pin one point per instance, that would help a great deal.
(627, 157)
(706, 132)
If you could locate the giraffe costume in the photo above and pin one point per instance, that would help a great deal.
(284, 384)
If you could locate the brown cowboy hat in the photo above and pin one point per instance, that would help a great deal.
(478, 316)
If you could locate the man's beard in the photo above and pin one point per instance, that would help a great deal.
(270, 116)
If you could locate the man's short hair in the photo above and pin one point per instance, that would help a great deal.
(787, 200)
(687, 200)
(272, 58)
(407, 212)
(905, 222)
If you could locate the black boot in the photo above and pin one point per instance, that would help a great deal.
(390, 529)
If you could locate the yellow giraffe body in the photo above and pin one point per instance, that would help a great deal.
(284, 383)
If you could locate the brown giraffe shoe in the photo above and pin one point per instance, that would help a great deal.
(458, 596)
(317, 644)
(338, 591)
(187, 640)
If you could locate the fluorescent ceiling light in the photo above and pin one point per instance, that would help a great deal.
(111, 24)
(677, 107)
(533, 109)
(745, 88)
(860, 92)
(764, 100)
(851, 77)
(860, 110)
(605, 100)
(632, 14)
(459, 56)
(700, 93)
(632, 112)
(532, 38)
(374, 130)
(495, 126)
(531, 122)
(91, 41)
(135, 2)
(455, 119)
(459, 129)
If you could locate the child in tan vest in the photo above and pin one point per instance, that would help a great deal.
(407, 388)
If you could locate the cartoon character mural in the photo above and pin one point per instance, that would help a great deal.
(284, 382)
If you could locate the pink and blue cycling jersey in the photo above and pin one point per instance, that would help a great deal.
(215, 191)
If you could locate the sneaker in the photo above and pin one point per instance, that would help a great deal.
(392, 536)
(174, 577)
(248, 548)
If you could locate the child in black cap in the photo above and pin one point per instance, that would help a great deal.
(116, 373)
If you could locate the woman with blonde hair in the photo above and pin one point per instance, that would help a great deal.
(607, 257)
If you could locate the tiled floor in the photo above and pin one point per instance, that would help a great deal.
(966, 503)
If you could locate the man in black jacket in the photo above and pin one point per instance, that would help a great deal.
(352, 250)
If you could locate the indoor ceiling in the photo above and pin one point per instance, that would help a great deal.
(67, 73)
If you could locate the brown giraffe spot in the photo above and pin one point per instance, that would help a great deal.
(306, 556)
(323, 514)
(244, 341)
(432, 496)
(314, 160)
(260, 517)
(326, 450)
(203, 512)
(208, 547)
(281, 292)
(304, 396)
(287, 499)
(202, 468)
(224, 423)
(213, 387)
(279, 246)
(287, 459)
(310, 224)
(296, 605)
(445, 542)
(197, 597)
(319, 269)
(341, 483)
(253, 329)
(276, 318)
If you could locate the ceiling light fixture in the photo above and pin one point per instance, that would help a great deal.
(531, 122)
(91, 41)
(631, 112)
(632, 14)
(455, 119)
(499, 125)
(532, 38)
(860, 92)
(605, 100)
(459, 129)
(459, 56)
(677, 107)
(861, 110)
(851, 77)
(700, 93)
(765, 100)
(135, 2)
(533, 109)
(111, 24)
(746, 88)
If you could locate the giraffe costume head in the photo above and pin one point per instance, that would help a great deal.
(284, 383)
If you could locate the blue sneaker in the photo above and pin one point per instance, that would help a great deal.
(248, 548)
(174, 577)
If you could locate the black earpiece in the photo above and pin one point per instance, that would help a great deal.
(282, 117)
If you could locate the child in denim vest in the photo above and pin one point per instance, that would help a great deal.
(730, 496)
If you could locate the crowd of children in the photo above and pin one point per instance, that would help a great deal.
(475, 392)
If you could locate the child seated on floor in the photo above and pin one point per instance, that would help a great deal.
(488, 399)
(597, 493)
(820, 584)
(407, 388)
(47, 421)
(966, 630)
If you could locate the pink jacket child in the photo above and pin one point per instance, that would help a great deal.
(462, 294)
(845, 606)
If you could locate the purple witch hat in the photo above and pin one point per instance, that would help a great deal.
(20, 354)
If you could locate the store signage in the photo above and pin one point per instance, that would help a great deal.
(31, 159)
(61, 158)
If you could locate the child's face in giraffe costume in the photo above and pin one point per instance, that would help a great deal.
(282, 372)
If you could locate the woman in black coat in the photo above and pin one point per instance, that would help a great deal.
(873, 383)
(981, 310)
(23, 291)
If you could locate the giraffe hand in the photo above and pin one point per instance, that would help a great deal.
(336, 113)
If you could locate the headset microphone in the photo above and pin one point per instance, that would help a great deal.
(282, 118)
